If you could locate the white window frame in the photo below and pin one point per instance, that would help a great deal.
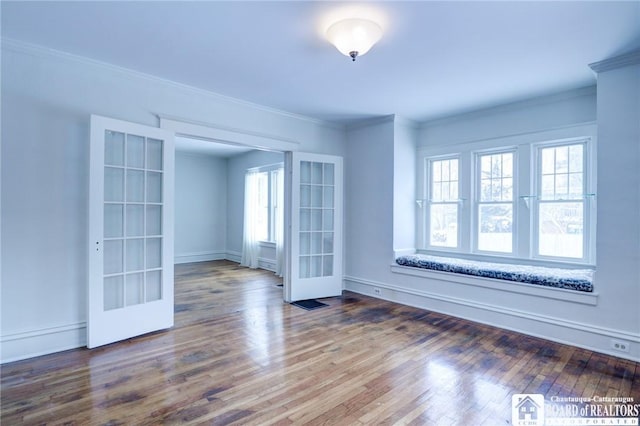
(427, 202)
(525, 195)
(588, 230)
(272, 196)
(477, 184)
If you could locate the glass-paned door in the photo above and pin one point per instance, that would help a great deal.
(131, 231)
(316, 227)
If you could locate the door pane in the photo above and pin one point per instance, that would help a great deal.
(327, 220)
(135, 186)
(328, 174)
(134, 294)
(305, 195)
(154, 187)
(113, 220)
(327, 242)
(154, 220)
(135, 255)
(305, 220)
(316, 173)
(305, 172)
(113, 148)
(328, 197)
(135, 220)
(154, 154)
(327, 265)
(316, 242)
(113, 184)
(113, 293)
(113, 256)
(316, 196)
(154, 252)
(316, 220)
(304, 266)
(315, 267)
(305, 243)
(135, 151)
(153, 286)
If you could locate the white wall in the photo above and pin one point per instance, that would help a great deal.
(200, 207)
(47, 98)
(368, 228)
(376, 168)
(404, 186)
(618, 234)
(543, 113)
(237, 167)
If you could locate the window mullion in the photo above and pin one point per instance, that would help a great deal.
(465, 206)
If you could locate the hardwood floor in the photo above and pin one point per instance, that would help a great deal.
(238, 354)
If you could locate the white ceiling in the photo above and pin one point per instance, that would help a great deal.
(435, 58)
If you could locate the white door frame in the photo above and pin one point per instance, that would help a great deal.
(256, 141)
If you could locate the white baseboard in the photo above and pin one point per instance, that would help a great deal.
(202, 256)
(559, 330)
(263, 262)
(29, 344)
(268, 264)
(234, 256)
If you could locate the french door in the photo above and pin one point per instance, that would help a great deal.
(314, 240)
(130, 288)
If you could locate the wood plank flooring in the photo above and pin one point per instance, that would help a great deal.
(239, 355)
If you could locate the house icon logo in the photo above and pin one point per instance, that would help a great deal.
(527, 410)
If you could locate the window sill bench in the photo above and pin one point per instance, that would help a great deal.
(445, 272)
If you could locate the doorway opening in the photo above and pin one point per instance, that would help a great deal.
(212, 197)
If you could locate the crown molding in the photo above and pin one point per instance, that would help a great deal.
(631, 58)
(39, 51)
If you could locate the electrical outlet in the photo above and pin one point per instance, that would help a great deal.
(620, 345)
(377, 291)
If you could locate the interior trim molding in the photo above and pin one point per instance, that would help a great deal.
(201, 256)
(233, 256)
(620, 61)
(227, 135)
(559, 330)
(43, 341)
(569, 131)
(44, 52)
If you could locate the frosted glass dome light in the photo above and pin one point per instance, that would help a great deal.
(354, 37)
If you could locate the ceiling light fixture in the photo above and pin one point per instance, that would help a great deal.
(354, 37)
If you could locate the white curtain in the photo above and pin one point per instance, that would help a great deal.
(250, 247)
(279, 225)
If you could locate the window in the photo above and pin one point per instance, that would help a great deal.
(517, 197)
(267, 193)
(263, 213)
(495, 205)
(443, 203)
(561, 201)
